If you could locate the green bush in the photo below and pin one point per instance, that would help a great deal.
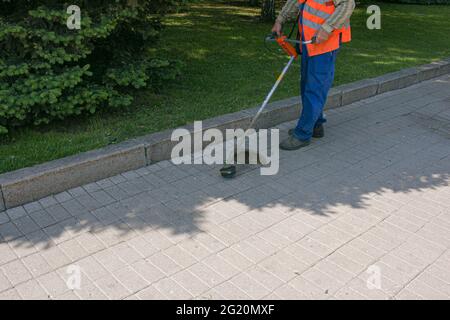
(49, 72)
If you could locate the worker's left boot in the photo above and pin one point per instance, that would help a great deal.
(318, 132)
(292, 143)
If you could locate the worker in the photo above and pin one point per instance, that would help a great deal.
(328, 21)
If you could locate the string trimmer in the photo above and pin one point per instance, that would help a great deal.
(229, 169)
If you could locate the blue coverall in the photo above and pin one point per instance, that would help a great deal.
(317, 75)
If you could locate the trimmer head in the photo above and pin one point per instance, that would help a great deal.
(228, 171)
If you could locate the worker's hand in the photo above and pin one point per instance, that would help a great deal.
(277, 28)
(321, 35)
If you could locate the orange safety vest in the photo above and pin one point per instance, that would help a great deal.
(315, 12)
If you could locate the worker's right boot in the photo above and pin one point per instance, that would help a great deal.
(318, 132)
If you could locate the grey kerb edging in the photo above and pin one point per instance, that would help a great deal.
(30, 184)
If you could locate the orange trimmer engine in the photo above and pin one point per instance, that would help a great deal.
(287, 47)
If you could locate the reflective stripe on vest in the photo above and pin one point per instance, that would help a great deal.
(316, 12)
(311, 24)
(318, 1)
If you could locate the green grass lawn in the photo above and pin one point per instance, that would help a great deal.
(227, 68)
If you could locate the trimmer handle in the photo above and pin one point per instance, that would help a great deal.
(312, 41)
(274, 37)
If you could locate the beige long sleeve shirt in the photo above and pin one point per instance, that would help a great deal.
(344, 9)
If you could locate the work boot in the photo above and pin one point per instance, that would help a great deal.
(318, 132)
(292, 143)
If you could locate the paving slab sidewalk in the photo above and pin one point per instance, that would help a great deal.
(363, 213)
